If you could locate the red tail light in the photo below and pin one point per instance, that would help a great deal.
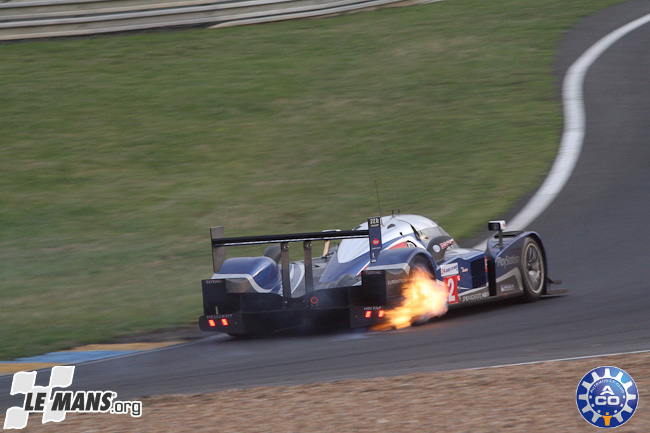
(380, 314)
(368, 314)
(211, 323)
(224, 322)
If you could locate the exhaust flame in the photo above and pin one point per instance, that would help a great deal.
(424, 298)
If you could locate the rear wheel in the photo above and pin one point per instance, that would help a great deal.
(420, 264)
(533, 268)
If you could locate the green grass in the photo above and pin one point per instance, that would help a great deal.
(118, 153)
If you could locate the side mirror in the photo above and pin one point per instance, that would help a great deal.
(494, 226)
(498, 226)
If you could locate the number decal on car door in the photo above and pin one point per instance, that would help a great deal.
(452, 286)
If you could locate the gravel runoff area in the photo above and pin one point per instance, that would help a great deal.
(526, 398)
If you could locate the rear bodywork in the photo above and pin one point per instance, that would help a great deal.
(355, 283)
(249, 295)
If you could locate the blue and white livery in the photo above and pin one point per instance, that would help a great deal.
(364, 274)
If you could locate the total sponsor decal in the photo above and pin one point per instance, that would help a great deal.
(55, 404)
(508, 261)
(373, 272)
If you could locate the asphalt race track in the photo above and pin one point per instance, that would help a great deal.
(596, 233)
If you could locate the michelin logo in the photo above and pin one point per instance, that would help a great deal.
(55, 404)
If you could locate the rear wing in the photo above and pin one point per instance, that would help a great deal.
(219, 244)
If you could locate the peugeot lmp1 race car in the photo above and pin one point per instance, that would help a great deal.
(359, 281)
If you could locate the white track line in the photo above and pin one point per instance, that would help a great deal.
(575, 358)
(574, 127)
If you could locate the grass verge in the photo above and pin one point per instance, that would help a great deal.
(118, 153)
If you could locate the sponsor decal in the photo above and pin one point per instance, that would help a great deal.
(436, 248)
(607, 397)
(219, 316)
(464, 270)
(474, 296)
(397, 281)
(447, 244)
(508, 261)
(448, 270)
(54, 404)
(373, 272)
(374, 237)
(507, 287)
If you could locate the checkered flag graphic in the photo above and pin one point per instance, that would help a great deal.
(23, 383)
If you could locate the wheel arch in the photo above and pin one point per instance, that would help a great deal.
(402, 256)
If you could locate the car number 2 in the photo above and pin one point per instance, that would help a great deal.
(452, 286)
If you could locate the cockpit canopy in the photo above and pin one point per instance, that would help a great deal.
(415, 230)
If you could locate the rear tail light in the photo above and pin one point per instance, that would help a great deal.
(368, 314)
(212, 323)
(381, 313)
(224, 322)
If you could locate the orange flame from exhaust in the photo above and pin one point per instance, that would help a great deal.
(424, 298)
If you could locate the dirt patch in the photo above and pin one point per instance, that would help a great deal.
(526, 398)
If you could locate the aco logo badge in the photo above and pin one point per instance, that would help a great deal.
(607, 397)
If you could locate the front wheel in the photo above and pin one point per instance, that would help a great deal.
(533, 268)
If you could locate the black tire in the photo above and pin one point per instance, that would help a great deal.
(419, 262)
(533, 269)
